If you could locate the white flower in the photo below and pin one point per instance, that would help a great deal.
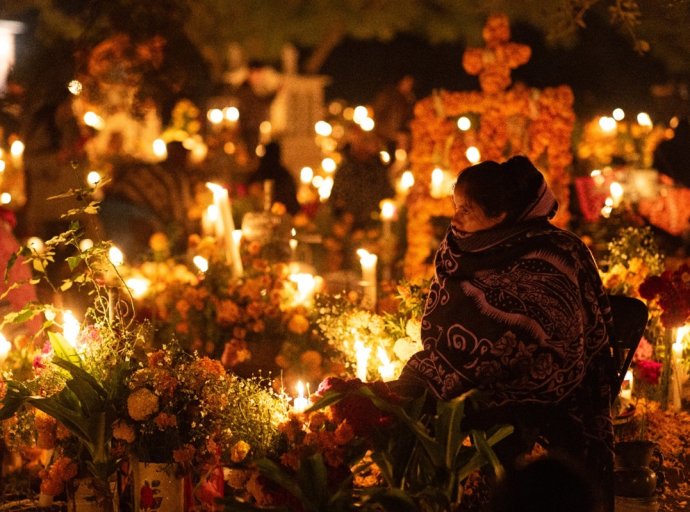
(405, 348)
(413, 328)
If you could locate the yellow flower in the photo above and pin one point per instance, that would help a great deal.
(298, 324)
(159, 242)
(239, 451)
(236, 478)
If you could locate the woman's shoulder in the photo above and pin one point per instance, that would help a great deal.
(559, 240)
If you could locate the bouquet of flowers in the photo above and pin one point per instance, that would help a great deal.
(671, 292)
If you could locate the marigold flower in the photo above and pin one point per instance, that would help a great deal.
(184, 455)
(142, 404)
(239, 451)
(164, 420)
(236, 478)
(298, 324)
(123, 431)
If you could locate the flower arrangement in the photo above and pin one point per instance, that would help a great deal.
(671, 291)
(633, 256)
(362, 447)
(213, 313)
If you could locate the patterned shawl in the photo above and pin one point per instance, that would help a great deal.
(519, 312)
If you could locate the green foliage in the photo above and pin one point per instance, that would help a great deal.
(423, 461)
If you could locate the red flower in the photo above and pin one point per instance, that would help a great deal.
(359, 412)
(672, 292)
(648, 371)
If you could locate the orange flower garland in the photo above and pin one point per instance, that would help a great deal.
(519, 120)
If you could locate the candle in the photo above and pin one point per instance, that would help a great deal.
(362, 353)
(293, 245)
(209, 221)
(306, 285)
(386, 368)
(616, 190)
(16, 154)
(387, 213)
(626, 388)
(437, 182)
(368, 262)
(70, 328)
(225, 224)
(237, 268)
(406, 182)
(5, 347)
(300, 403)
(677, 349)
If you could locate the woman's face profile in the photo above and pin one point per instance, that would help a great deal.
(468, 216)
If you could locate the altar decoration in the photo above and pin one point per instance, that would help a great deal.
(620, 138)
(452, 130)
(362, 447)
(108, 97)
(670, 292)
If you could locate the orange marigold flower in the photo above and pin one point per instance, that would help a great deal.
(239, 451)
(163, 420)
(344, 433)
(123, 431)
(290, 459)
(298, 324)
(184, 455)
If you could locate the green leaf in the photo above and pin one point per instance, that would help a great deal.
(391, 499)
(483, 447)
(273, 472)
(10, 263)
(81, 375)
(73, 261)
(38, 265)
(329, 398)
(448, 427)
(312, 479)
(61, 348)
(66, 285)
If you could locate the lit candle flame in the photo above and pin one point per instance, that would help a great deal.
(5, 347)
(362, 353)
(386, 368)
(70, 328)
(301, 403)
(201, 263)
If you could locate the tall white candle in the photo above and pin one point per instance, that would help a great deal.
(368, 262)
(387, 213)
(362, 353)
(437, 178)
(225, 221)
(209, 221)
(237, 267)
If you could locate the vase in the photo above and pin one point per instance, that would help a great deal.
(157, 488)
(635, 475)
(83, 496)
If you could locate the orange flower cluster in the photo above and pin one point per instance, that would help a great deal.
(175, 404)
(519, 120)
(54, 478)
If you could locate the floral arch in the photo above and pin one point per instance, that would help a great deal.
(504, 120)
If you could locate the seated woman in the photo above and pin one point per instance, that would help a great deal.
(517, 310)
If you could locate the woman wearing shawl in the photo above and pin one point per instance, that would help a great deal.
(517, 310)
